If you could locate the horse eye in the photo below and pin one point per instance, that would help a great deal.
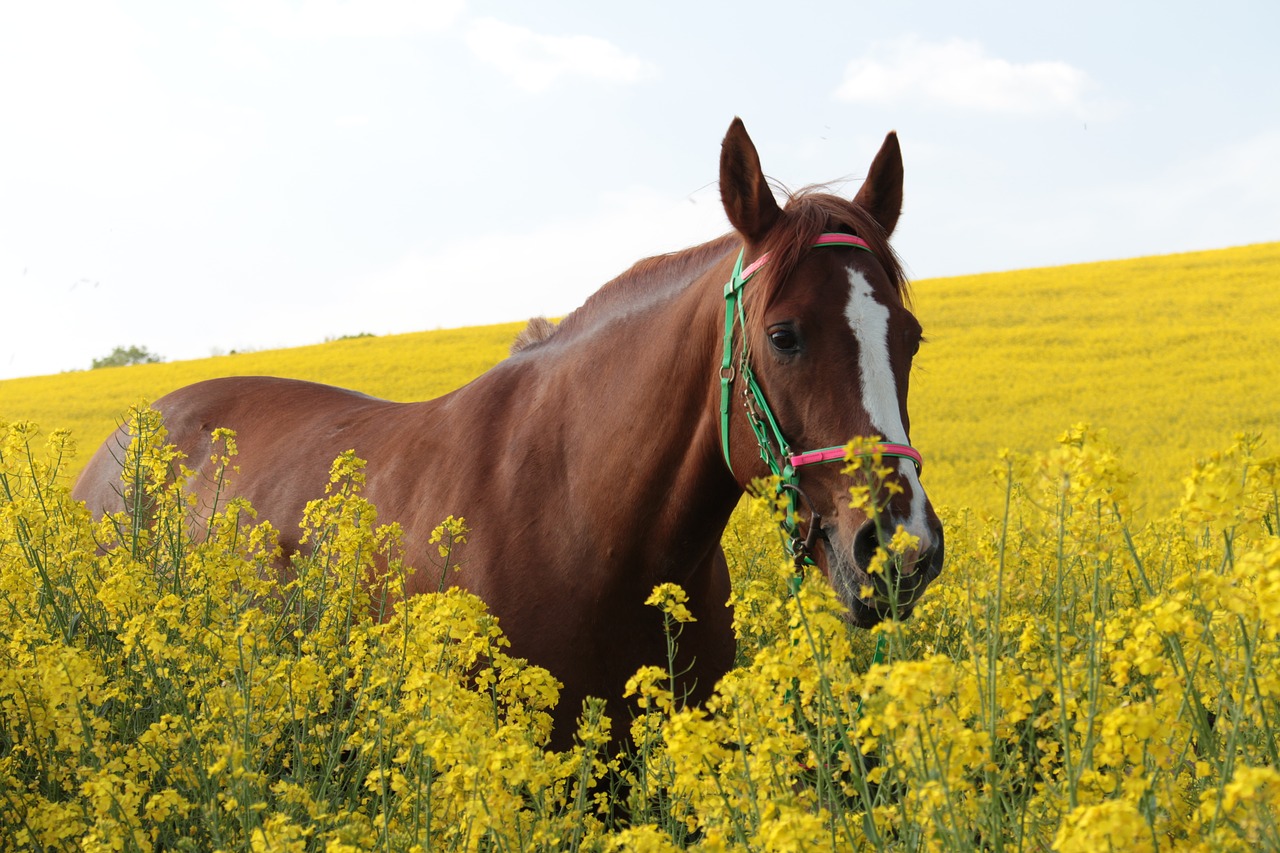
(784, 339)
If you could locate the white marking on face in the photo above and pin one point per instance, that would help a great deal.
(869, 321)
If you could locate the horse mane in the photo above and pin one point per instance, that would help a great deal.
(808, 212)
(537, 331)
(640, 284)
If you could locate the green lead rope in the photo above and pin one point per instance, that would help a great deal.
(882, 642)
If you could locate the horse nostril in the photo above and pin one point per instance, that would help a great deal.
(931, 561)
(919, 563)
(869, 539)
(865, 544)
(893, 583)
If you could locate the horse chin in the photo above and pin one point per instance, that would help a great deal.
(849, 581)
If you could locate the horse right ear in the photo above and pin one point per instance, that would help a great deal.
(747, 199)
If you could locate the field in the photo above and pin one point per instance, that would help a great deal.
(1171, 355)
(1098, 669)
(400, 367)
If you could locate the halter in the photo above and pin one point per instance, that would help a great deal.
(774, 448)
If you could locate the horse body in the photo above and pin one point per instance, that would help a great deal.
(589, 464)
(573, 469)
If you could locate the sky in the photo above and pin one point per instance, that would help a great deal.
(201, 177)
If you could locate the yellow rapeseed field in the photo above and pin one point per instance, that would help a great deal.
(1169, 354)
(416, 366)
(1097, 669)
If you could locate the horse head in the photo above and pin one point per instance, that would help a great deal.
(819, 351)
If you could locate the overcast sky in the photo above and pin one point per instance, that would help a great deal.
(196, 177)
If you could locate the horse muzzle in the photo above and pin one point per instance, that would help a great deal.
(876, 583)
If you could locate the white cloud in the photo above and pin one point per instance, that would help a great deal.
(534, 61)
(959, 73)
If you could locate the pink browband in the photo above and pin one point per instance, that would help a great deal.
(820, 240)
(834, 454)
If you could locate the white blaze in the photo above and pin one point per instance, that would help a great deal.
(869, 321)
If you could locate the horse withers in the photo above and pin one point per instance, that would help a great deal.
(605, 455)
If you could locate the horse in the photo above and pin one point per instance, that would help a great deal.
(605, 454)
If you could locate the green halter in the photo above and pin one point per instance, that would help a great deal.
(774, 447)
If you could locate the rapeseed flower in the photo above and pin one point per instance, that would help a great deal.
(1073, 681)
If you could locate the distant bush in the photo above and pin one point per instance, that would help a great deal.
(121, 356)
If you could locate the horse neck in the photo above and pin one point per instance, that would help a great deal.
(645, 384)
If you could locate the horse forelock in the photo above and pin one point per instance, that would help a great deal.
(808, 213)
(813, 211)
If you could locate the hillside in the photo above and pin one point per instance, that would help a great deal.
(1172, 355)
(1077, 678)
(397, 367)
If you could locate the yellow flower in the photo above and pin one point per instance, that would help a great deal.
(642, 839)
(1109, 825)
(902, 541)
(670, 598)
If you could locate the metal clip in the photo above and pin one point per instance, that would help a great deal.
(803, 552)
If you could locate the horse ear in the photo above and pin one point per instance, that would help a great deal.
(881, 193)
(747, 199)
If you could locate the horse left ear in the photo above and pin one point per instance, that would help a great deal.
(881, 193)
(747, 199)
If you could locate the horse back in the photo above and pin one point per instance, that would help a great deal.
(298, 427)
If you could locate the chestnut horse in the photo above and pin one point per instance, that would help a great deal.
(604, 456)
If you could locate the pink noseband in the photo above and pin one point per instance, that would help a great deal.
(835, 454)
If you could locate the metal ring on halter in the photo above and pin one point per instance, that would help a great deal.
(804, 551)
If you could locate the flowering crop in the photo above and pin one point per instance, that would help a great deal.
(1169, 353)
(1098, 667)
(168, 693)
(1073, 682)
